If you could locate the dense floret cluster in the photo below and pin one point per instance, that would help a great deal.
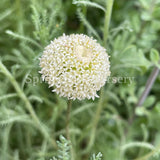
(76, 66)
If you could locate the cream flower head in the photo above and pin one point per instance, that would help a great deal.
(75, 65)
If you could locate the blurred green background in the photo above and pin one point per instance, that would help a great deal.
(32, 118)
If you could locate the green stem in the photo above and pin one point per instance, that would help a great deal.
(84, 11)
(136, 144)
(5, 141)
(109, 4)
(69, 105)
(96, 120)
(149, 155)
(26, 101)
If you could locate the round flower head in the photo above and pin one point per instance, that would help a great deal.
(75, 65)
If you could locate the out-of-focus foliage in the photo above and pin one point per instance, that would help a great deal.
(27, 26)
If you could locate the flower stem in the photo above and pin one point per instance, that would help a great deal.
(96, 120)
(109, 4)
(27, 103)
(69, 105)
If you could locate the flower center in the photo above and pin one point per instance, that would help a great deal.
(83, 53)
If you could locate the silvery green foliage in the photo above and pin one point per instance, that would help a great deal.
(64, 152)
(64, 149)
(47, 23)
(96, 157)
(27, 26)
